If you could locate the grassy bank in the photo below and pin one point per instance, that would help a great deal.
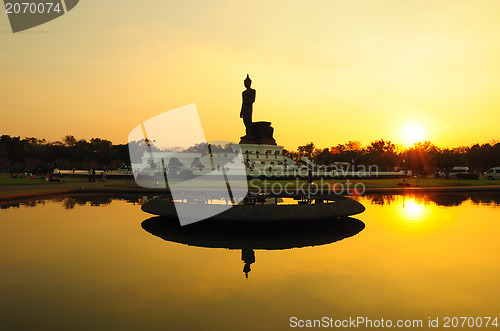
(18, 186)
(5, 179)
(369, 183)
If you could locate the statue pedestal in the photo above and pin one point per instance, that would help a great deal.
(261, 133)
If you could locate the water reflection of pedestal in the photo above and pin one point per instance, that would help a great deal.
(251, 237)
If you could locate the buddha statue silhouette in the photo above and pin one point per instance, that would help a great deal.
(259, 132)
(247, 105)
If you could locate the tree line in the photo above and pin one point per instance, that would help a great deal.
(423, 158)
(29, 153)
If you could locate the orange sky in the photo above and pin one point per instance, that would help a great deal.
(324, 71)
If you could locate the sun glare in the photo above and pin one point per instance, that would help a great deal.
(413, 133)
(413, 210)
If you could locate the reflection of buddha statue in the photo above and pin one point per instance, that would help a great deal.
(223, 234)
(247, 256)
(247, 105)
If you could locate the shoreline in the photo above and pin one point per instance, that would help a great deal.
(15, 193)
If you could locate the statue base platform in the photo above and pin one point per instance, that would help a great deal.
(261, 133)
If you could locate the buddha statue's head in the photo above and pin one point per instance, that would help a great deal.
(247, 82)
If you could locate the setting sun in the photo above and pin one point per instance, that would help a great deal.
(413, 133)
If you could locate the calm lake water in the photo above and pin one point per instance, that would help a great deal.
(96, 263)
